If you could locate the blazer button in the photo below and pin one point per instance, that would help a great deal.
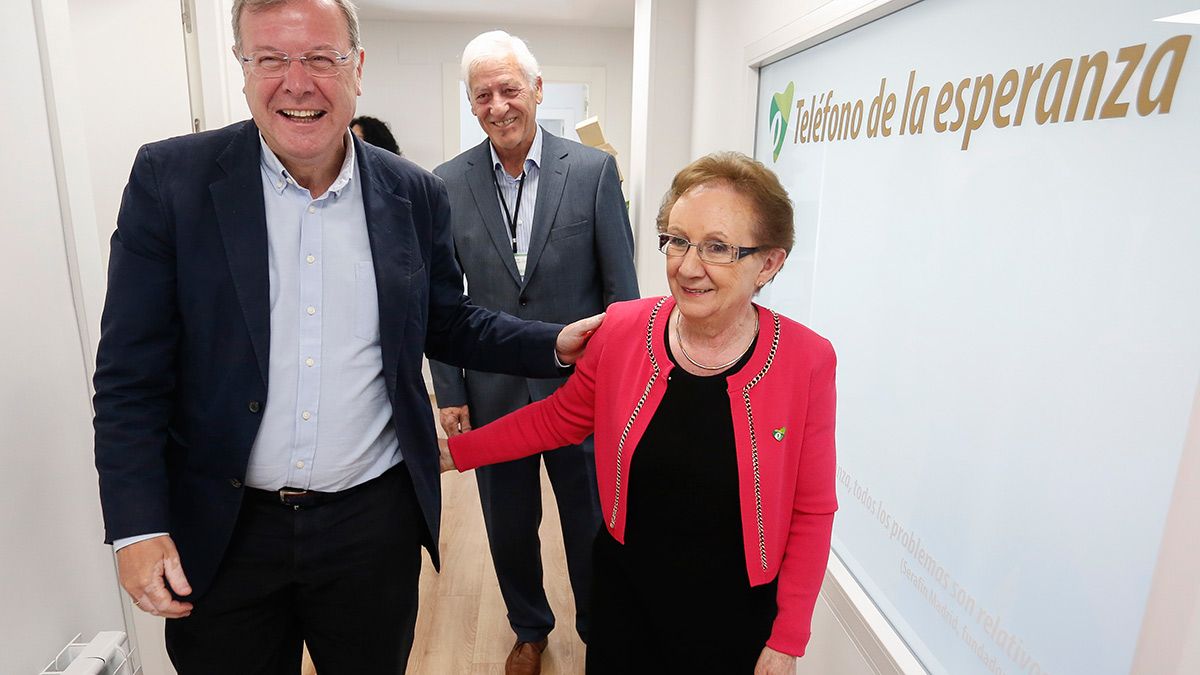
(523, 300)
(233, 482)
(254, 406)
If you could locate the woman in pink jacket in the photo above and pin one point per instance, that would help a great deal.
(714, 435)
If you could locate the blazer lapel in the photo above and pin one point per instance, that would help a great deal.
(394, 253)
(552, 178)
(242, 220)
(481, 178)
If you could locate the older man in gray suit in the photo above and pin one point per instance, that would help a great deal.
(542, 232)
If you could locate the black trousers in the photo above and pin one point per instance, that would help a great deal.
(341, 576)
(511, 497)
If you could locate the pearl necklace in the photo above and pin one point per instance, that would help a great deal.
(723, 366)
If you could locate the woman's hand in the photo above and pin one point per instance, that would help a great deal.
(771, 662)
(445, 460)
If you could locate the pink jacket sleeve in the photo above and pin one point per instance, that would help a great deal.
(803, 567)
(566, 417)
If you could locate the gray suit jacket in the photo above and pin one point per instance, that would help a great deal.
(580, 258)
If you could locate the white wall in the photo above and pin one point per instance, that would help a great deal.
(144, 101)
(75, 131)
(723, 118)
(140, 95)
(219, 73)
(664, 42)
(402, 78)
(56, 577)
(692, 52)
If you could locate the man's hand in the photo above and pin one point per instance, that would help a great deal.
(455, 420)
(142, 568)
(771, 662)
(574, 338)
(445, 460)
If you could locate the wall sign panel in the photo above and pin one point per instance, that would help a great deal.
(998, 219)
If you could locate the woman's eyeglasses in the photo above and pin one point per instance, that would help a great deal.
(715, 252)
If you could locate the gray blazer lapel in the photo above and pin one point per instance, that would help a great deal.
(552, 179)
(242, 220)
(481, 179)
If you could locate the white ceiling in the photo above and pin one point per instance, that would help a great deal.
(608, 13)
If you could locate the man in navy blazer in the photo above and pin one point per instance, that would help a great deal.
(265, 443)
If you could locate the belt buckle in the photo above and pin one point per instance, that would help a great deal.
(286, 493)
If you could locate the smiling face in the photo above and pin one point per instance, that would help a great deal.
(706, 293)
(302, 118)
(505, 103)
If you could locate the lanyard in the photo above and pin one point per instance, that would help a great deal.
(512, 219)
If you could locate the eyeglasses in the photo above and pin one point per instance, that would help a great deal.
(715, 252)
(318, 63)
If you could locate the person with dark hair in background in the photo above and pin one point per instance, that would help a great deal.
(714, 427)
(376, 132)
(542, 232)
(264, 441)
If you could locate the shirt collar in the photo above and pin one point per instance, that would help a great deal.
(534, 155)
(280, 178)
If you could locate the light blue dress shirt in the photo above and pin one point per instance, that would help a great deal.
(327, 423)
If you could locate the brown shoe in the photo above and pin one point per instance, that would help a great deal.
(525, 658)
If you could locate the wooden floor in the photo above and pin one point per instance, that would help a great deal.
(461, 625)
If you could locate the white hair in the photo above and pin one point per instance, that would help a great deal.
(497, 45)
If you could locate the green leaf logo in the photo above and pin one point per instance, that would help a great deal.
(781, 112)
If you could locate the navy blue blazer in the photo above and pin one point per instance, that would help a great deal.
(181, 370)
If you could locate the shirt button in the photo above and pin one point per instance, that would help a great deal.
(309, 362)
(306, 415)
(254, 406)
(279, 184)
(311, 310)
(311, 259)
(300, 464)
(312, 209)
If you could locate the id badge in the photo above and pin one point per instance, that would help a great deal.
(521, 259)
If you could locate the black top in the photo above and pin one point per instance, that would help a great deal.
(678, 592)
(684, 508)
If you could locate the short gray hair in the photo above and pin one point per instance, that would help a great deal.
(496, 45)
(349, 10)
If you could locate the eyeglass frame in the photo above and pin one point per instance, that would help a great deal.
(665, 238)
(304, 59)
